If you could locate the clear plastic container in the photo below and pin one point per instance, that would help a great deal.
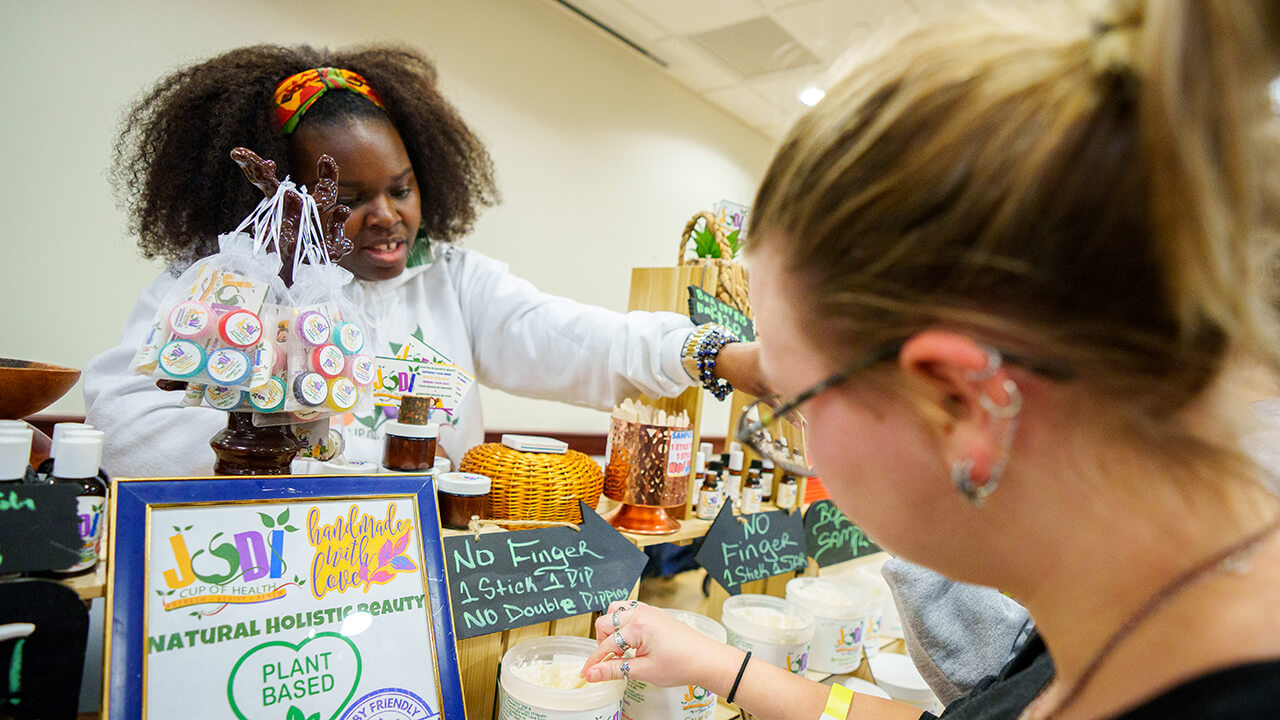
(645, 701)
(539, 681)
(774, 630)
(840, 609)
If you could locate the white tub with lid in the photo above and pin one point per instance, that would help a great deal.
(840, 608)
(645, 701)
(539, 681)
(774, 630)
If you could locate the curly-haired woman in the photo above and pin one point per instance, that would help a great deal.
(415, 177)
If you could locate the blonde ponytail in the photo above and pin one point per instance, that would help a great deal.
(1097, 192)
(1204, 100)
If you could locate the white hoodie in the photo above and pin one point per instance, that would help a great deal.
(466, 305)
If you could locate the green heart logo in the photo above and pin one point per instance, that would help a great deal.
(284, 681)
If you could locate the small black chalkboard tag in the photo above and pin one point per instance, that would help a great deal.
(500, 581)
(831, 538)
(39, 528)
(704, 308)
(740, 549)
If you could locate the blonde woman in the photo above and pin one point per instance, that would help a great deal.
(1018, 282)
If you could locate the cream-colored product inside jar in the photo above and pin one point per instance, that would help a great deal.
(539, 681)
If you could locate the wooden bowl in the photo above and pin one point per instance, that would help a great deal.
(28, 387)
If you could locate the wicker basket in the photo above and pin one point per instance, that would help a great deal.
(731, 289)
(535, 486)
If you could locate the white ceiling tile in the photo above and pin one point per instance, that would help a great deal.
(748, 106)
(692, 66)
(622, 18)
(783, 90)
(774, 132)
(686, 17)
(828, 27)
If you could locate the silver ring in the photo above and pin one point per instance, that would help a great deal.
(626, 669)
(620, 642)
(617, 625)
(633, 604)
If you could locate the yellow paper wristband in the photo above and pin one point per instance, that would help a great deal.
(837, 703)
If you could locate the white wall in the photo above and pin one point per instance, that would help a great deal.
(601, 158)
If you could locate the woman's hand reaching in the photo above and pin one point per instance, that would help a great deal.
(667, 652)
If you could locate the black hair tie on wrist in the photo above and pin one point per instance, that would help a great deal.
(734, 690)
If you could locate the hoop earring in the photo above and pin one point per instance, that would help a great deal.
(962, 478)
(994, 361)
(1003, 412)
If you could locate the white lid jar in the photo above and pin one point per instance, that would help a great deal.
(539, 681)
(840, 608)
(645, 701)
(774, 630)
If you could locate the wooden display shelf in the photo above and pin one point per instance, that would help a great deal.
(91, 585)
(689, 530)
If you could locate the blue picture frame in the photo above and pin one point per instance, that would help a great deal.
(131, 500)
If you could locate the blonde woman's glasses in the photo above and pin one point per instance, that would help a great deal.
(762, 425)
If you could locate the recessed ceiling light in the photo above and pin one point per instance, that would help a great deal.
(812, 95)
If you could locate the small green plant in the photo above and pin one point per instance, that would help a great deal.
(705, 245)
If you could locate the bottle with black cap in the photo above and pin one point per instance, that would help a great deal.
(751, 489)
(77, 463)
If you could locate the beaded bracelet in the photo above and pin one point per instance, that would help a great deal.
(706, 354)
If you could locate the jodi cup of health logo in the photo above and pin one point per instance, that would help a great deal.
(210, 566)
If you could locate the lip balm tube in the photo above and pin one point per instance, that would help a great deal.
(190, 319)
(240, 328)
(182, 359)
(264, 364)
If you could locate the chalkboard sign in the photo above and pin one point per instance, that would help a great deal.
(831, 538)
(39, 527)
(704, 308)
(499, 581)
(740, 549)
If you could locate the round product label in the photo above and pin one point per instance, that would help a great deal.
(349, 336)
(223, 398)
(342, 394)
(181, 358)
(229, 366)
(328, 360)
(313, 327)
(268, 397)
(190, 319)
(240, 328)
(310, 389)
(362, 367)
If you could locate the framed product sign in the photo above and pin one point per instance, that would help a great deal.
(279, 598)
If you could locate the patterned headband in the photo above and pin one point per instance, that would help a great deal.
(299, 92)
